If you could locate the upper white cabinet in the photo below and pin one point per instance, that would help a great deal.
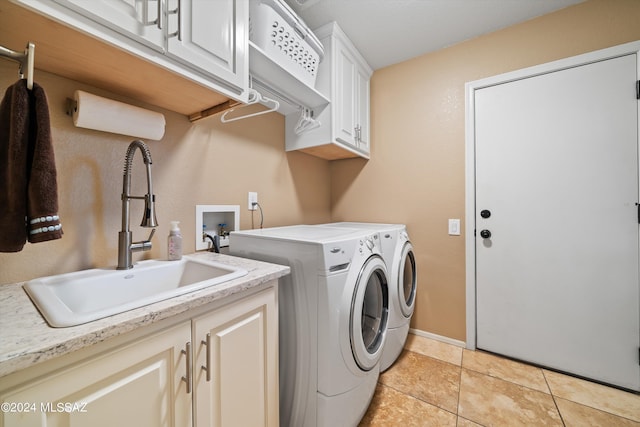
(343, 77)
(201, 34)
(202, 41)
(138, 19)
(351, 98)
(204, 34)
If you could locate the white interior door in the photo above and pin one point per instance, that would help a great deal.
(557, 172)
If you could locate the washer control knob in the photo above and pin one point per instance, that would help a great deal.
(335, 250)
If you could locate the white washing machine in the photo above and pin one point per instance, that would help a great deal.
(333, 314)
(399, 257)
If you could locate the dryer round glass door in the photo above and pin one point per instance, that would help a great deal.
(369, 313)
(407, 280)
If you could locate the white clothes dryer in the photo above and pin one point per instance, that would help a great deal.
(398, 254)
(333, 314)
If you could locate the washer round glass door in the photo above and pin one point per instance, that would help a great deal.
(407, 280)
(369, 313)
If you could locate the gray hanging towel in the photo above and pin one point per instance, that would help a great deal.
(28, 186)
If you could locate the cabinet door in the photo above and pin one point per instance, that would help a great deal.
(362, 110)
(135, 385)
(137, 19)
(237, 344)
(344, 101)
(211, 36)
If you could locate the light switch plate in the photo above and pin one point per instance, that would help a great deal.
(454, 227)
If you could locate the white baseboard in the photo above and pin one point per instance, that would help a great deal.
(437, 337)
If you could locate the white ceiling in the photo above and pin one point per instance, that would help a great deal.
(390, 31)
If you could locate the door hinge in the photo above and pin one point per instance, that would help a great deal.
(638, 206)
(638, 89)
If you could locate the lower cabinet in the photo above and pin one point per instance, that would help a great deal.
(236, 383)
(217, 369)
(138, 384)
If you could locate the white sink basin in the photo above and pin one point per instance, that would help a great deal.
(80, 297)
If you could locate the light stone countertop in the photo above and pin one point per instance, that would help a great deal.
(27, 339)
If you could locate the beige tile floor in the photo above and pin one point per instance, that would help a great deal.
(438, 384)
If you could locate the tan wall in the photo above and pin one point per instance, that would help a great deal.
(416, 173)
(203, 163)
(415, 176)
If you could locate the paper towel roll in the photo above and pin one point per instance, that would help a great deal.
(107, 115)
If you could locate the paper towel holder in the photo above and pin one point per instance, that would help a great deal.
(72, 106)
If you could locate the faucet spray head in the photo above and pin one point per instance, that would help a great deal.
(149, 217)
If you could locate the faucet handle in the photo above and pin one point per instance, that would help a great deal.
(145, 245)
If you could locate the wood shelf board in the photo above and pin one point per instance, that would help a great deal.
(331, 152)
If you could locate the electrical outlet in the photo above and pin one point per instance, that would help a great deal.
(253, 198)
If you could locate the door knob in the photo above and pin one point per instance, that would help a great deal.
(485, 213)
(485, 234)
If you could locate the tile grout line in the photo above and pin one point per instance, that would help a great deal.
(495, 376)
(506, 380)
(553, 396)
(418, 399)
(459, 389)
(422, 400)
(434, 358)
(491, 375)
(460, 383)
(584, 404)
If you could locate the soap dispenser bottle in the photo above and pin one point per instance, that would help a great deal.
(175, 242)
